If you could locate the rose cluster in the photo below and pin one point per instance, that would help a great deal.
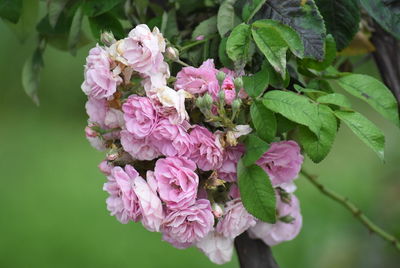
(173, 146)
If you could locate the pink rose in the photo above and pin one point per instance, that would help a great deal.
(96, 110)
(197, 80)
(102, 115)
(207, 151)
(216, 247)
(273, 234)
(175, 243)
(231, 156)
(142, 49)
(139, 149)
(236, 219)
(140, 116)
(177, 182)
(150, 204)
(171, 139)
(229, 87)
(122, 202)
(282, 162)
(100, 82)
(190, 224)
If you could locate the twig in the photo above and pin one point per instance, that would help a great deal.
(357, 213)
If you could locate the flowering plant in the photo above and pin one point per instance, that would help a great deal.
(205, 152)
(200, 156)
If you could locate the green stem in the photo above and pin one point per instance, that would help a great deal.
(357, 213)
(199, 42)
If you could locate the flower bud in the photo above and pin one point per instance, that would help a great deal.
(236, 105)
(217, 210)
(207, 101)
(107, 38)
(172, 53)
(221, 77)
(238, 82)
(90, 132)
(200, 102)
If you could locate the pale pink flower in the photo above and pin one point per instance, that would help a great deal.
(150, 204)
(122, 202)
(139, 149)
(96, 110)
(175, 100)
(231, 157)
(175, 243)
(171, 139)
(236, 219)
(100, 81)
(97, 142)
(142, 49)
(177, 181)
(273, 234)
(190, 224)
(216, 247)
(140, 116)
(114, 118)
(102, 115)
(282, 162)
(196, 80)
(207, 151)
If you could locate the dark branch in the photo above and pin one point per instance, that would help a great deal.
(387, 58)
(253, 253)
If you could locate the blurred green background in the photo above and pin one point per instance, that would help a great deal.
(52, 207)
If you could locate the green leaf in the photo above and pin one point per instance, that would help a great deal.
(94, 8)
(374, 92)
(275, 79)
(27, 21)
(264, 121)
(330, 56)
(31, 75)
(336, 99)
(257, 83)
(273, 46)
(290, 36)
(294, 107)
(106, 22)
(385, 13)
(226, 17)
(169, 26)
(256, 192)
(255, 148)
(318, 146)
(205, 28)
(11, 10)
(223, 57)
(54, 9)
(302, 16)
(370, 134)
(251, 8)
(75, 30)
(342, 18)
(238, 44)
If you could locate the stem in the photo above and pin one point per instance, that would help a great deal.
(357, 213)
(198, 42)
(182, 63)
